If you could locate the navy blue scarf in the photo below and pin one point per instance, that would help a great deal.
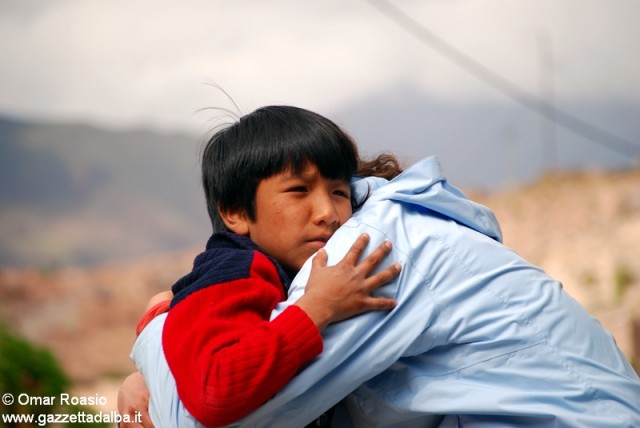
(228, 257)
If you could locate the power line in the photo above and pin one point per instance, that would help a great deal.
(493, 79)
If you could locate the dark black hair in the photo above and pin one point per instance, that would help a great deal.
(266, 142)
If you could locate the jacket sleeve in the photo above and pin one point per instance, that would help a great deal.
(226, 356)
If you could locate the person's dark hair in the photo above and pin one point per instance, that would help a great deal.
(264, 143)
(385, 165)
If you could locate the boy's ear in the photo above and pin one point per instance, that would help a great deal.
(237, 221)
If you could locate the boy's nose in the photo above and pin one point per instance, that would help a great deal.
(325, 210)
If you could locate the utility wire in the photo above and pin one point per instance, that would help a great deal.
(493, 79)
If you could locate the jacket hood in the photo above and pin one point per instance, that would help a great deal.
(424, 185)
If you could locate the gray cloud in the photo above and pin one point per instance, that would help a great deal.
(128, 62)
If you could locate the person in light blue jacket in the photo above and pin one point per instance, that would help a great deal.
(479, 337)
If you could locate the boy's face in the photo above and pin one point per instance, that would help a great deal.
(297, 214)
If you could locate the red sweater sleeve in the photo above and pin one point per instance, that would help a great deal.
(226, 356)
(151, 313)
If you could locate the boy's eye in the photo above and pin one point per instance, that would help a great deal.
(297, 189)
(342, 193)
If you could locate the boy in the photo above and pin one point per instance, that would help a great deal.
(277, 185)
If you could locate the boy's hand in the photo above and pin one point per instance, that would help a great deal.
(162, 296)
(335, 293)
(133, 400)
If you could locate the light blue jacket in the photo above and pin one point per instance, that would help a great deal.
(479, 338)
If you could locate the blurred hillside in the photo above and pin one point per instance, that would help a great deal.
(484, 145)
(79, 195)
(582, 228)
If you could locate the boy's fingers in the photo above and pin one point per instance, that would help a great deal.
(354, 253)
(375, 281)
(374, 259)
(320, 259)
(380, 304)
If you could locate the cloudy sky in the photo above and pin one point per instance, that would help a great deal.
(154, 62)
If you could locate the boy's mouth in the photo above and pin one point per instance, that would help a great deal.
(319, 241)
